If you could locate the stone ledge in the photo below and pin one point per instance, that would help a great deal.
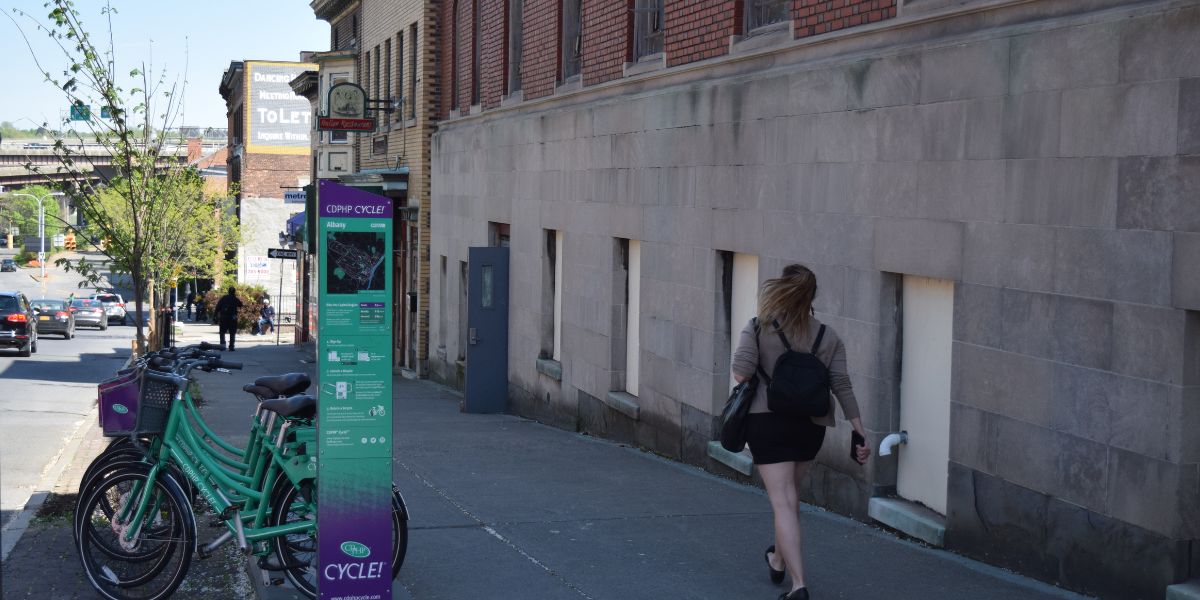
(741, 462)
(550, 368)
(909, 518)
(622, 402)
(1188, 590)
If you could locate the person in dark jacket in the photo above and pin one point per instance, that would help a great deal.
(226, 312)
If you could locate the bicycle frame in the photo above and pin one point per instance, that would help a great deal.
(250, 492)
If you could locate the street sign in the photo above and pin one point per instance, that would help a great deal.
(105, 112)
(283, 253)
(80, 112)
(338, 124)
(41, 256)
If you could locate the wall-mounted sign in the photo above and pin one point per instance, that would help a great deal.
(347, 101)
(277, 120)
(346, 104)
(257, 268)
(354, 353)
(335, 124)
(295, 196)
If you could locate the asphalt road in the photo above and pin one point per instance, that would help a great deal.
(44, 398)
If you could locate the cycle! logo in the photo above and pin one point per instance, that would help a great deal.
(120, 409)
(355, 549)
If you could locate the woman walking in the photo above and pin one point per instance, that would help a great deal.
(783, 445)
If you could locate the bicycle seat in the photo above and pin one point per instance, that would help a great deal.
(259, 390)
(300, 406)
(289, 384)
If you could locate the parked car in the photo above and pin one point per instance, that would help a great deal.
(18, 328)
(8, 264)
(114, 306)
(54, 316)
(89, 312)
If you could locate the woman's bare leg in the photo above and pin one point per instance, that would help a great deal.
(780, 481)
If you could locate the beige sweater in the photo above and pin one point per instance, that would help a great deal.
(768, 349)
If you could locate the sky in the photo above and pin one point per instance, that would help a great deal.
(188, 40)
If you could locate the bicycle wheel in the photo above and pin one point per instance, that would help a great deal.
(157, 559)
(116, 462)
(297, 553)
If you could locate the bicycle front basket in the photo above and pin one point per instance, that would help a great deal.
(118, 401)
(154, 403)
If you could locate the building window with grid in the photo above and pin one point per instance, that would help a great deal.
(476, 52)
(516, 31)
(760, 13)
(376, 84)
(387, 69)
(398, 115)
(648, 28)
(412, 71)
(572, 38)
(454, 50)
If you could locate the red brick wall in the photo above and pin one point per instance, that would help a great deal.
(265, 175)
(814, 17)
(607, 29)
(540, 51)
(495, 52)
(695, 30)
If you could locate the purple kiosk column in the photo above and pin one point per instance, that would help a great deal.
(354, 351)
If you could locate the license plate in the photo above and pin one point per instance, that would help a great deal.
(43, 318)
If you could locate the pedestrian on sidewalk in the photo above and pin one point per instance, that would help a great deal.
(266, 320)
(201, 308)
(227, 315)
(188, 303)
(784, 445)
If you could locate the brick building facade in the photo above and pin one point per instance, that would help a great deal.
(269, 153)
(392, 49)
(996, 197)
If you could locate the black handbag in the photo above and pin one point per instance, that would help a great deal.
(737, 408)
(733, 417)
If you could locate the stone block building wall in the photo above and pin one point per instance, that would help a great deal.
(1038, 157)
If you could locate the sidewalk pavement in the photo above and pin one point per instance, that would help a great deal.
(503, 507)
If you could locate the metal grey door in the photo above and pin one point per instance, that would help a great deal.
(487, 331)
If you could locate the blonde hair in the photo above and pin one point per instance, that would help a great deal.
(788, 299)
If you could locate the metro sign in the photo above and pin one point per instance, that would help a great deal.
(340, 124)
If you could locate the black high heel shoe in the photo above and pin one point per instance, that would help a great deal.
(776, 576)
(800, 594)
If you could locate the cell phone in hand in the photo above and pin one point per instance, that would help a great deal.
(856, 442)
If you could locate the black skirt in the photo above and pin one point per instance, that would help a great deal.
(774, 438)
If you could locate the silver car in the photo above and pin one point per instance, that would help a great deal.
(89, 312)
(114, 306)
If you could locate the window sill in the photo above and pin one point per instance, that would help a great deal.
(623, 402)
(454, 113)
(550, 368)
(573, 84)
(769, 36)
(512, 99)
(476, 109)
(646, 64)
(410, 123)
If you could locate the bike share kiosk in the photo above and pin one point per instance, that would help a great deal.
(354, 353)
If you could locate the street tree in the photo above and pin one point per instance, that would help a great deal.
(18, 210)
(146, 188)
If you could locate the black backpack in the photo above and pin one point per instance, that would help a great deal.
(799, 384)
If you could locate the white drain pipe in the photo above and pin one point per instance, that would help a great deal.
(891, 441)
